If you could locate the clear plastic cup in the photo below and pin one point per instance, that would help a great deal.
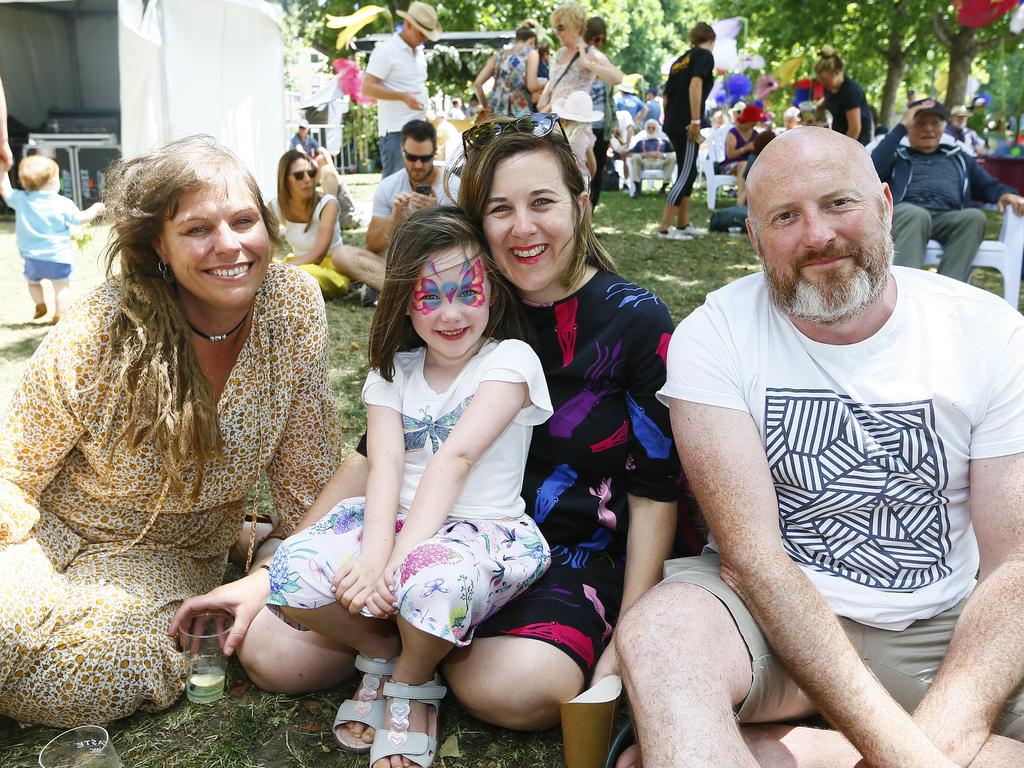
(86, 747)
(203, 644)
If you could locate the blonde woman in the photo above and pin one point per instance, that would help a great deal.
(844, 97)
(142, 424)
(576, 64)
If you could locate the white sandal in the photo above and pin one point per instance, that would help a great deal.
(420, 748)
(365, 707)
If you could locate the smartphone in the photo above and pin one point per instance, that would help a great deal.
(424, 189)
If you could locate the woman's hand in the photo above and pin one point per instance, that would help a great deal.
(243, 599)
(355, 581)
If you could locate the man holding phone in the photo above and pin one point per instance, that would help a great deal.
(419, 184)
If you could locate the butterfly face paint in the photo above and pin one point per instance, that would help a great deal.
(449, 305)
(429, 292)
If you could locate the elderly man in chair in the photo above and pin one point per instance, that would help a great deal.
(854, 434)
(933, 185)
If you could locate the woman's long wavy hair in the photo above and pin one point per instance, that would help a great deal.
(285, 199)
(169, 400)
(421, 236)
(477, 180)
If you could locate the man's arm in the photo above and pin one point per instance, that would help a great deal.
(988, 189)
(378, 234)
(374, 88)
(985, 659)
(725, 463)
(6, 156)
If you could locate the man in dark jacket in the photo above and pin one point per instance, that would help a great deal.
(933, 185)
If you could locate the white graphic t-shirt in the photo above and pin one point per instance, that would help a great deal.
(492, 490)
(869, 444)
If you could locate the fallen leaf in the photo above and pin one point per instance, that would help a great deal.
(309, 727)
(450, 747)
(312, 706)
(239, 689)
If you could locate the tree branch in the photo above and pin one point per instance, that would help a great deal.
(941, 30)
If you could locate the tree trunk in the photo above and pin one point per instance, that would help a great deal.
(961, 54)
(893, 78)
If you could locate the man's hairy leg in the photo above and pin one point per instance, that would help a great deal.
(683, 711)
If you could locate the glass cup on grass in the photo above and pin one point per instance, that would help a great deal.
(203, 644)
(86, 747)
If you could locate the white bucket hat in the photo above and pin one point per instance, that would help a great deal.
(576, 106)
(424, 18)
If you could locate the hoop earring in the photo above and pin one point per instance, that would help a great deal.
(165, 271)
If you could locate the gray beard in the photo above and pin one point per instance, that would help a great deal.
(834, 303)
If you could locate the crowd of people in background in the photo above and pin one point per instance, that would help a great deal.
(530, 413)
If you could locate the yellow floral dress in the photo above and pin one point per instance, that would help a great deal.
(84, 611)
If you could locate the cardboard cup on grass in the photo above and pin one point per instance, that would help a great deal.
(588, 723)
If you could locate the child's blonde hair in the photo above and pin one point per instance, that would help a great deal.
(36, 172)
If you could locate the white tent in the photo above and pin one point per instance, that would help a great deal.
(172, 68)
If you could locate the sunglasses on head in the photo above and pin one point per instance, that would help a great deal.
(419, 158)
(537, 124)
(299, 175)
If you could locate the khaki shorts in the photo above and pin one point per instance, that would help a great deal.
(904, 662)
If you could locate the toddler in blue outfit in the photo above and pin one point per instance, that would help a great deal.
(43, 220)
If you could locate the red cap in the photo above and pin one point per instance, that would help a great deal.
(752, 114)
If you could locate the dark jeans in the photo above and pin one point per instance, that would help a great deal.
(601, 155)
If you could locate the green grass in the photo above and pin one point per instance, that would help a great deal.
(250, 728)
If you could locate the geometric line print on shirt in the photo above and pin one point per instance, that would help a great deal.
(860, 487)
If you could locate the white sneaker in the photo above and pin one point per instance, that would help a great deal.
(691, 230)
(673, 234)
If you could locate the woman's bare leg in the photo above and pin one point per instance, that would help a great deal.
(487, 678)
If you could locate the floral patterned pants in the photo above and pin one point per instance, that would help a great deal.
(447, 584)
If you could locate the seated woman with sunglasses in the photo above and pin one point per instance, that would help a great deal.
(310, 223)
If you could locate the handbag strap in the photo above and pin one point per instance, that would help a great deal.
(565, 71)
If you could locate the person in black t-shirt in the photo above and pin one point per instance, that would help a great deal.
(689, 83)
(844, 97)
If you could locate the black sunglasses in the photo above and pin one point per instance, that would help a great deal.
(298, 175)
(420, 158)
(538, 124)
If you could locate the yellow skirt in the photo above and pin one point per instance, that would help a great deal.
(332, 283)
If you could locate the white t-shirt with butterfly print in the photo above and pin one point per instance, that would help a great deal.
(492, 490)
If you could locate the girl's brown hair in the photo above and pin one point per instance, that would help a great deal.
(169, 401)
(830, 60)
(477, 179)
(285, 200)
(414, 242)
(701, 33)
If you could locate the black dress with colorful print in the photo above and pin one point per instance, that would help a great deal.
(603, 352)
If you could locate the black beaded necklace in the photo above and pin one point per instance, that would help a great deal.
(217, 336)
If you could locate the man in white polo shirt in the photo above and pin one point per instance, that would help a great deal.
(396, 76)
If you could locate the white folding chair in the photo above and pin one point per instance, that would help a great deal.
(1004, 255)
(715, 154)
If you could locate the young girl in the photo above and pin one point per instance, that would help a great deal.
(441, 540)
